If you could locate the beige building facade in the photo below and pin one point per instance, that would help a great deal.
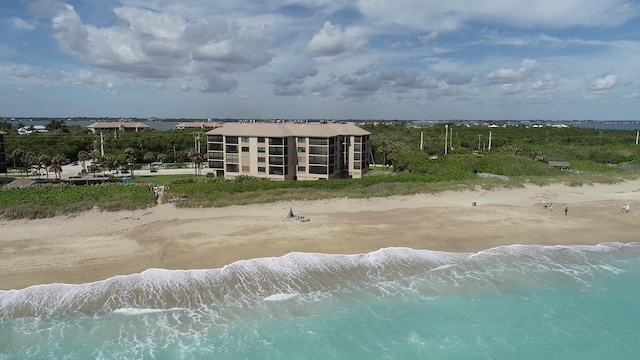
(289, 151)
(99, 127)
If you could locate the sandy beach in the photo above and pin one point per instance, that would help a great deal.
(96, 245)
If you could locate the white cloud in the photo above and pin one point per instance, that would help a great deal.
(453, 14)
(548, 82)
(510, 75)
(429, 37)
(331, 40)
(604, 83)
(633, 97)
(512, 89)
(20, 24)
(82, 78)
(217, 84)
(150, 44)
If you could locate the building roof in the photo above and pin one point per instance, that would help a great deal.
(306, 129)
(117, 125)
(19, 183)
(198, 124)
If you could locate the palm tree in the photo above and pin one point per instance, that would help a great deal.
(56, 165)
(17, 155)
(197, 159)
(149, 157)
(384, 148)
(55, 125)
(130, 157)
(83, 156)
(44, 161)
(30, 159)
(96, 161)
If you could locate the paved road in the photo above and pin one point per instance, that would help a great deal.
(71, 170)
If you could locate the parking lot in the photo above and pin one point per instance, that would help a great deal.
(76, 170)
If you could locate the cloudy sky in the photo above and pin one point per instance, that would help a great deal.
(338, 59)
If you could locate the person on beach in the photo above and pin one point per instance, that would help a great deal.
(566, 210)
(550, 207)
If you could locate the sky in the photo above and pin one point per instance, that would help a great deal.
(321, 59)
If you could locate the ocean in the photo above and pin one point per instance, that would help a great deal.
(512, 302)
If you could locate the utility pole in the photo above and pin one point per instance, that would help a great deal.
(489, 150)
(101, 143)
(446, 137)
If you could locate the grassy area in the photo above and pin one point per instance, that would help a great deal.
(52, 200)
(422, 175)
(226, 193)
(163, 179)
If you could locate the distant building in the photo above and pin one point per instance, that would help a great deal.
(198, 125)
(3, 155)
(31, 129)
(99, 127)
(564, 165)
(289, 151)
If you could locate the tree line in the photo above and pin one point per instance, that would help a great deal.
(391, 140)
(63, 144)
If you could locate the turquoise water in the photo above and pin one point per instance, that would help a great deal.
(515, 302)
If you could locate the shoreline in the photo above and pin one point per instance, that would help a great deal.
(94, 245)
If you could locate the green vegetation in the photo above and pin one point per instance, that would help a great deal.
(519, 153)
(76, 143)
(447, 173)
(60, 199)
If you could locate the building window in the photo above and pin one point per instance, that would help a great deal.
(261, 169)
(318, 170)
(302, 149)
(233, 158)
(275, 170)
(260, 139)
(232, 149)
(302, 168)
(232, 139)
(232, 168)
(302, 140)
(318, 141)
(245, 149)
(318, 160)
(215, 147)
(277, 141)
(261, 149)
(262, 159)
(276, 160)
(245, 139)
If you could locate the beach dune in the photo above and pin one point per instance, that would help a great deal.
(96, 245)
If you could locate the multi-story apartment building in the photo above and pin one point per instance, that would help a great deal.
(289, 151)
(3, 156)
(99, 127)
